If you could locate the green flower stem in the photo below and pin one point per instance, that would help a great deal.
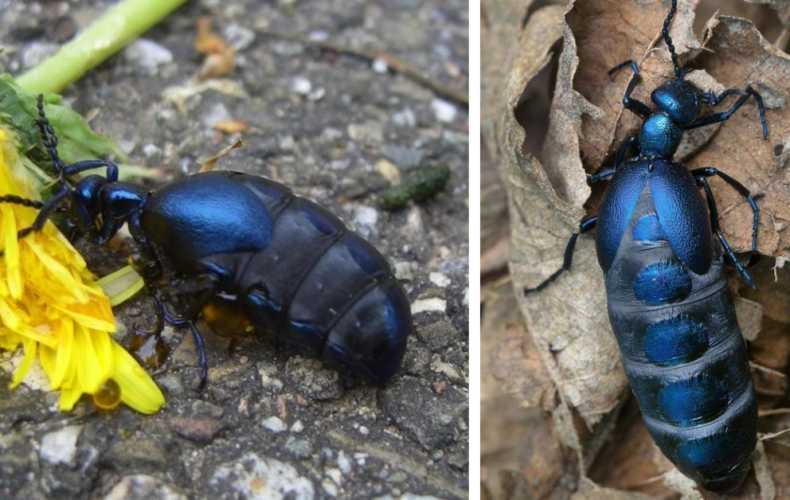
(108, 35)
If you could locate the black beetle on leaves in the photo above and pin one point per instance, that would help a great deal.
(668, 299)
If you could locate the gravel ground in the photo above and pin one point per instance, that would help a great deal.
(337, 129)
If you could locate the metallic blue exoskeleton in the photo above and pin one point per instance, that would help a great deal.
(254, 257)
(668, 299)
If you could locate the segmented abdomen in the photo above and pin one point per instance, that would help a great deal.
(322, 287)
(683, 353)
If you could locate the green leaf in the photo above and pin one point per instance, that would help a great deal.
(76, 140)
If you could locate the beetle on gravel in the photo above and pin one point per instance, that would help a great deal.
(668, 299)
(253, 256)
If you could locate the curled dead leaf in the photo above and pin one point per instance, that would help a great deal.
(209, 164)
(207, 42)
(219, 64)
(231, 126)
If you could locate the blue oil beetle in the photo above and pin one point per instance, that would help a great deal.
(668, 300)
(253, 257)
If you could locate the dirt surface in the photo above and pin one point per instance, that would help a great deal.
(337, 129)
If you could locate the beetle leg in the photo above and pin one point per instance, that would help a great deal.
(714, 221)
(43, 215)
(742, 190)
(568, 260)
(621, 151)
(713, 99)
(145, 262)
(202, 358)
(628, 143)
(637, 107)
(81, 166)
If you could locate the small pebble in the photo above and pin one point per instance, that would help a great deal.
(403, 271)
(444, 111)
(215, 114)
(275, 425)
(300, 449)
(404, 157)
(301, 85)
(206, 409)
(238, 37)
(432, 304)
(343, 463)
(335, 475)
(440, 280)
(148, 55)
(366, 216)
(60, 447)
(142, 487)
(199, 429)
(380, 66)
(405, 118)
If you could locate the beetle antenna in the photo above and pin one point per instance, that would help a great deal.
(50, 140)
(668, 39)
(18, 200)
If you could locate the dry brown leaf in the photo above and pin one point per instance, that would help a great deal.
(209, 164)
(590, 491)
(231, 126)
(782, 8)
(514, 361)
(608, 32)
(738, 56)
(566, 321)
(219, 64)
(207, 42)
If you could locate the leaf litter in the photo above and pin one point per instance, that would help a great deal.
(548, 198)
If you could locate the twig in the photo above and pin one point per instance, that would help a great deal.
(394, 62)
(765, 437)
(775, 411)
(765, 369)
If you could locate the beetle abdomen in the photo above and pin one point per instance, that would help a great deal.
(319, 286)
(683, 353)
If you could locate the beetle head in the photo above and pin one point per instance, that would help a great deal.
(679, 100)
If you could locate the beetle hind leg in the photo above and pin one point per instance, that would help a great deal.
(742, 190)
(714, 219)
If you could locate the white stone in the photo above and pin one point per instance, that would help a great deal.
(439, 279)
(215, 114)
(148, 54)
(301, 85)
(366, 216)
(444, 111)
(259, 478)
(275, 424)
(380, 66)
(60, 447)
(343, 462)
(405, 118)
(433, 304)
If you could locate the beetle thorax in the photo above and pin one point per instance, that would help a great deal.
(660, 136)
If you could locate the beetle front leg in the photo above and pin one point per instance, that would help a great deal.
(637, 107)
(144, 262)
(713, 100)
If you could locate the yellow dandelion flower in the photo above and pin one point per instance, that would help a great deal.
(52, 307)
